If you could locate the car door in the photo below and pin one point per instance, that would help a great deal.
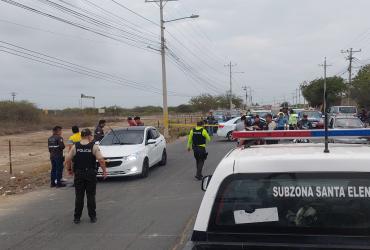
(150, 148)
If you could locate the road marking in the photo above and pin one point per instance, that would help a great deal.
(185, 232)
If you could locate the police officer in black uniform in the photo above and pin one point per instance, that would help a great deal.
(56, 147)
(84, 155)
(99, 131)
(197, 141)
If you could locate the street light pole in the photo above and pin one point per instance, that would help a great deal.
(163, 58)
(164, 75)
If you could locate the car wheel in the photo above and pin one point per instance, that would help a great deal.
(163, 162)
(229, 136)
(145, 170)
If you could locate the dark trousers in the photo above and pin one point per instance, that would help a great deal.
(85, 182)
(200, 155)
(56, 170)
(210, 130)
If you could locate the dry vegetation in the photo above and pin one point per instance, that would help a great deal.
(28, 129)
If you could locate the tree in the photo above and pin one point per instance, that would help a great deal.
(206, 102)
(360, 88)
(284, 105)
(313, 92)
(203, 102)
(223, 101)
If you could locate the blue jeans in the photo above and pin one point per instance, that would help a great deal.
(56, 170)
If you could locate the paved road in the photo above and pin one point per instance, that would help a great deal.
(153, 213)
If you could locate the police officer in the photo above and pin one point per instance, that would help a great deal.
(84, 155)
(56, 147)
(99, 131)
(197, 140)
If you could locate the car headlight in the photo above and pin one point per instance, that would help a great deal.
(132, 157)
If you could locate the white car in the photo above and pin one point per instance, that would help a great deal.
(287, 196)
(226, 129)
(347, 122)
(132, 151)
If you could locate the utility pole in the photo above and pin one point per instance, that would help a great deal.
(248, 94)
(350, 58)
(13, 94)
(161, 4)
(326, 150)
(245, 88)
(230, 66)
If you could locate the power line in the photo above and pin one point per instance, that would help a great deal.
(56, 62)
(117, 37)
(134, 12)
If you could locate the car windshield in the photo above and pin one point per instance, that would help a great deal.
(123, 137)
(314, 203)
(312, 114)
(348, 123)
(347, 110)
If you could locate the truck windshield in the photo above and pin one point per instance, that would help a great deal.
(328, 203)
(312, 114)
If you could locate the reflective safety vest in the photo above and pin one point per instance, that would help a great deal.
(293, 119)
(198, 138)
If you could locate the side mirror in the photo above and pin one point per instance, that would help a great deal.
(205, 182)
(150, 141)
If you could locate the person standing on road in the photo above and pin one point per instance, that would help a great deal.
(240, 126)
(99, 131)
(197, 141)
(270, 125)
(257, 124)
(56, 147)
(73, 139)
(211, 120)
(281, 121)
(293, 120)
(84, 155)
(304, 123)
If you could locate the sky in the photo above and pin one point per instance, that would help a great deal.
(273, 45)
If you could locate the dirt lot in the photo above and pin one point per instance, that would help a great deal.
(30, 158)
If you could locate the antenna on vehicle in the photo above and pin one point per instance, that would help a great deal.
(114, 134)
(326, 150)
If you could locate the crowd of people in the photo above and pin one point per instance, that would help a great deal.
(285, 120)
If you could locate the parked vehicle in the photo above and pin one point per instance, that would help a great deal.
(315, 117)
(347, 122)
(226, 129)
(342, 110)
(132, 151)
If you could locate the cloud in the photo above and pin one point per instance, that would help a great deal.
(278, 44)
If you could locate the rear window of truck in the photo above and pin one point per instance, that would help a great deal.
(307, 203)
(348, 110)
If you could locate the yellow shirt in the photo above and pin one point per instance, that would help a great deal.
(74, 138)
(204, 133)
